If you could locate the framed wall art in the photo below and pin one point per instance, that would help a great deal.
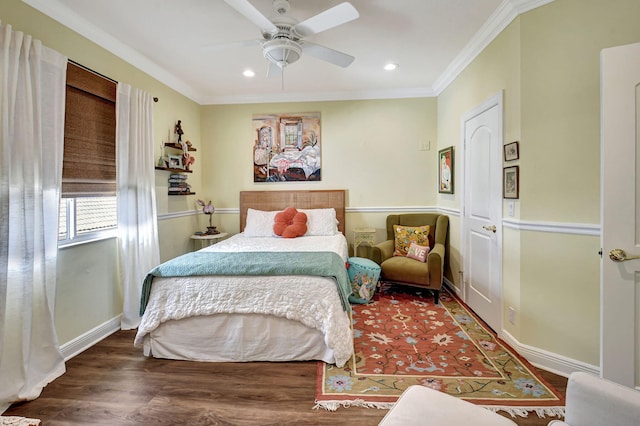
(175, 162)
(511, 151)
(511, 182)
(286, 147)
(445, 171)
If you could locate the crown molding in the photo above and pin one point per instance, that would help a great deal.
(497, 22)
(418, 92)
(67, 17)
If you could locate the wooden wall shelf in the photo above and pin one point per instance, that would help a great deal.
(177, 146)
(174, 170)
(182, 193)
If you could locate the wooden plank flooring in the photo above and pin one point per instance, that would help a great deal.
(112, 383)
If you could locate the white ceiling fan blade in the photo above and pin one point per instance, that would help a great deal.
(247, 10)
(214, 47)
(337, 15)
(326, 54)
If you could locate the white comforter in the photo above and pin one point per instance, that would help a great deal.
(313, 301)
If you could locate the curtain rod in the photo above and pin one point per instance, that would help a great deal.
(155, 99)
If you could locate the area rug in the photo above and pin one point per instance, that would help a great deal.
(18, 421)
(403, 338)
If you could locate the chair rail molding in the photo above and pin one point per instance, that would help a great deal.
(392, 209)
(553, 227)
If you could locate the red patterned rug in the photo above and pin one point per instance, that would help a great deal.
(402, 338)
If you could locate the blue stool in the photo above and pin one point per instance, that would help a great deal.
(364, 275)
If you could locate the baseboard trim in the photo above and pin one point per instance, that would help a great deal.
(549, 361)
(540, 358)
(90, 338)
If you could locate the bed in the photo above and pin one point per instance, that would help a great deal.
(254, 296)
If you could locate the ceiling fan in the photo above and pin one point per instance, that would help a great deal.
(283, 40)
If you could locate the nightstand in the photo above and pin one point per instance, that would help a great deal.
(363, 235)
(208, 239)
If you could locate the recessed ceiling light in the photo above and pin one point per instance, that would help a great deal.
(248, 73)
(390, 66)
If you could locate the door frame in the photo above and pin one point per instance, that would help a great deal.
(491, 102)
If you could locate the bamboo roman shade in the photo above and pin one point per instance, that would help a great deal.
(89, 166)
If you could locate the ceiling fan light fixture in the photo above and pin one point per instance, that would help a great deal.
(283, 35)
(390, 66)
(282, 52)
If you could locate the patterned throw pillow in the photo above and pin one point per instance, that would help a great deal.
(405, 235)
(418, 252)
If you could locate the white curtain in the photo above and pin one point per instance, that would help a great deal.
(32, 104)
(137, 215)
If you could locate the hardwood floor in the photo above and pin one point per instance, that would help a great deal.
(112, 383)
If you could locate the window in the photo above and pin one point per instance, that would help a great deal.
(292, 133)
(88, 206)
(86, 218)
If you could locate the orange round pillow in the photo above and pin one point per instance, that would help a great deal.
(290, 223)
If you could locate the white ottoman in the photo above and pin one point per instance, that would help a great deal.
(419, 405)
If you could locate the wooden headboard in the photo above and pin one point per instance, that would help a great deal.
(280, 200)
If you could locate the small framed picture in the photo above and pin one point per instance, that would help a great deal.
(175, 162)
(511, 151)
(511, 182)
(445, 171)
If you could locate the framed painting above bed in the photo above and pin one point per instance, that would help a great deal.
(286, 147)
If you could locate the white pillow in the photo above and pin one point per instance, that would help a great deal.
(321, 222)
(259, 223)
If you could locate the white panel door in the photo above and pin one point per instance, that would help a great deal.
(620, 274)
(482, 211)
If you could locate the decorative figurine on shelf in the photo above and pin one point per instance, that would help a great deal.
(208, 209)
(187, 160)
(178, 130)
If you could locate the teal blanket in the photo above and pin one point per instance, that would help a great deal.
(323, 264)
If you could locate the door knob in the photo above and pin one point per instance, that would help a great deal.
(491, 228)
(619, 255)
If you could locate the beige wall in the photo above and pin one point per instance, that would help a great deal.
(88, 291)
(560, 167)
(561, 45)
(369, 148)
(547, 63)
